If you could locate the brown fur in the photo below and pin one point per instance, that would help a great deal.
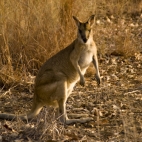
(59, 74)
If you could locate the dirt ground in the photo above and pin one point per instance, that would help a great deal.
(115, 106)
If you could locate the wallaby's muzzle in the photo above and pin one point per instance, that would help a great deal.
(84, 40)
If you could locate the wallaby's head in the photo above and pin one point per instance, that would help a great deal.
(85, 29)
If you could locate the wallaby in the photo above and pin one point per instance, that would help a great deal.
(59, 74)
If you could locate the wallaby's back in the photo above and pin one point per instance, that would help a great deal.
(57, 65)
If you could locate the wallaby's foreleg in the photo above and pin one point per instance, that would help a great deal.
(74, 57)
(95, 62)
(77, 67)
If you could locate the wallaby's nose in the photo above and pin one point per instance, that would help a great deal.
(85, 40)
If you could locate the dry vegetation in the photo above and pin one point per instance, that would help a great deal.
(31, 31)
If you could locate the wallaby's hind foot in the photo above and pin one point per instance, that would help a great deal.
(65, 120)
(81, 120)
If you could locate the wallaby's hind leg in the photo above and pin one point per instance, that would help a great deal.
(62, 92)
(62, 111)
(65, 119)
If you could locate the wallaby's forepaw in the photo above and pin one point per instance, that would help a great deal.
(98, 79)
(82, 81)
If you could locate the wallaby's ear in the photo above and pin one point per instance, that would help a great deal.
(76, 21)
(91, 20)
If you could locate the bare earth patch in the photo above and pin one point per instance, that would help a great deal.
(115, 106)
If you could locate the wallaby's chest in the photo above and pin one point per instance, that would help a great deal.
(86, 57)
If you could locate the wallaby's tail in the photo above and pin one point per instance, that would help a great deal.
(7, 116)
(34, 111)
